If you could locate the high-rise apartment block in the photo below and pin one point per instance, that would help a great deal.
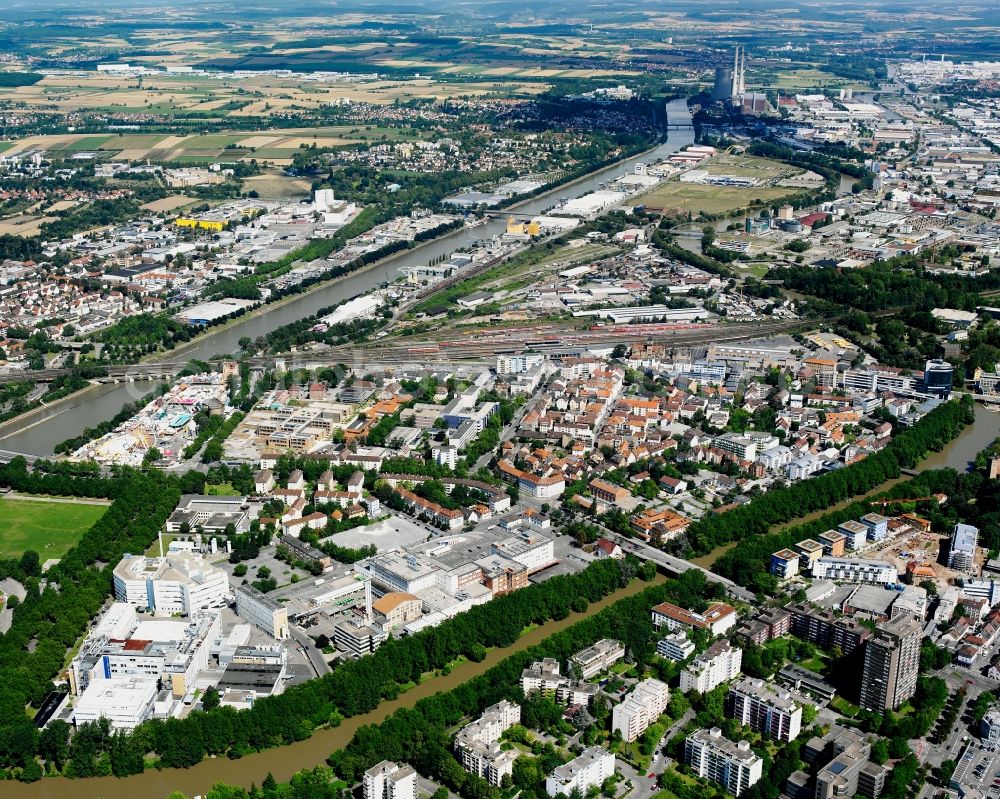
(478, 744)
(733, 766)
(892, 660)
(640, 708)
(764, 708)
(389, 780)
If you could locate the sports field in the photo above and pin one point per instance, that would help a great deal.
(49, 528)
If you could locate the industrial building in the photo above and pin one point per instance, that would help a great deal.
(125, 702)
(262, 611)
(212, 514)
(178, 583)
(168, 651)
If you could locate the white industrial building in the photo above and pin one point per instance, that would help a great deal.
(125, 702)
(588, 770)
(532, 550)
(180, 582)
(171, 651)
(409, 574)
(262, 611)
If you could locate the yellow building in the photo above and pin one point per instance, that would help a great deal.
(514, 228)
(204, 224)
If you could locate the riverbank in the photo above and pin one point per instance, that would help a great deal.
(283, 762)
(959, 454)
(225, 335)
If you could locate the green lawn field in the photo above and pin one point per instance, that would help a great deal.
(49, 528)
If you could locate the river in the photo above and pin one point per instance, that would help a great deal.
(44, 430)
(284, 761)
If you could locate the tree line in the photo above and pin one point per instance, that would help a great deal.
(356, 687)
(56, 612)
(905, 450)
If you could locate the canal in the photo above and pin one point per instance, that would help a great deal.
(284, 761)
(38, 433)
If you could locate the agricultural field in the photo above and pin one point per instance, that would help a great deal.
(49, 528)
(278, 145)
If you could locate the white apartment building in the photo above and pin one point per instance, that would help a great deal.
(962, 554)
(597, 658)
(855, 570)
(180, 582)
(675, 646)
(542, 675)
(478, 743)
(641, 707)
(733, 766)
(389, 780)
(719, 663)
(515, 364)
(765, 709)
(588, 770)
(262, 611)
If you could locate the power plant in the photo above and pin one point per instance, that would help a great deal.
(723, 88)
(739, 73)
(730, 82)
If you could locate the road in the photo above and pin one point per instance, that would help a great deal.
(677, 565)
(316, 659)
(505, 435)
(644, 785)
